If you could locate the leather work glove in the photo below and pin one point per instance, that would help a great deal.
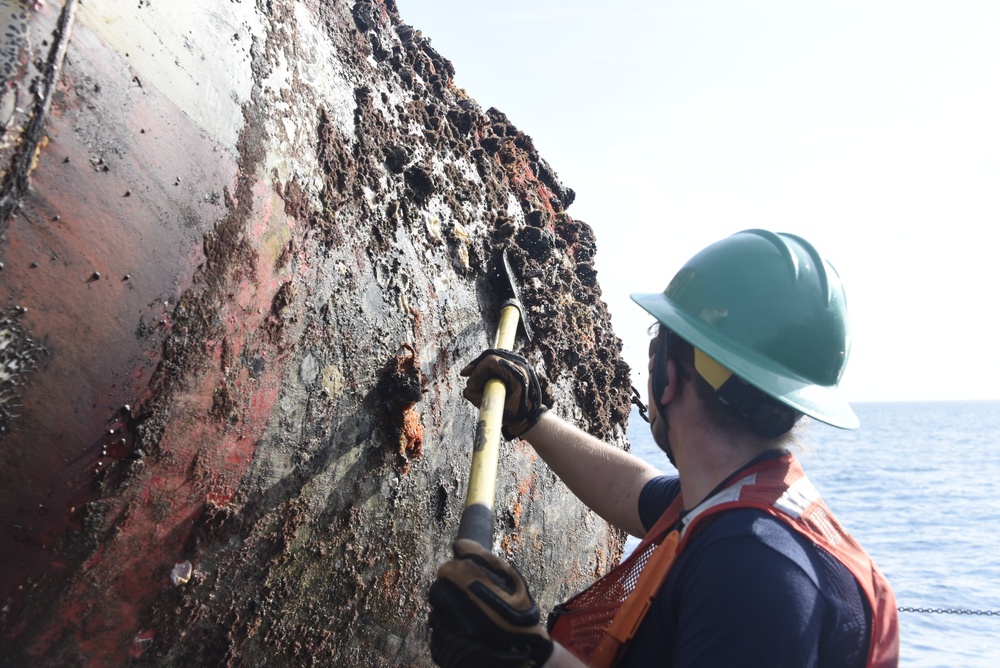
(482, 615)
(523, 406)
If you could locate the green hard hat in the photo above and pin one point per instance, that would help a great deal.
(770, 309)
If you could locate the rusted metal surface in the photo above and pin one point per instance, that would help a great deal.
(248, 253)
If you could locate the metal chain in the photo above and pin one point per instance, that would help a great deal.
(951, 611)
(637, 400)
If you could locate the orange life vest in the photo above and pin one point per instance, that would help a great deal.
(777, 486)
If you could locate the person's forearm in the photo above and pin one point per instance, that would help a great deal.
(605, 478)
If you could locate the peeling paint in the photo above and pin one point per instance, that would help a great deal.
(333, 380)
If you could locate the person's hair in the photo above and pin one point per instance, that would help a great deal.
(722, 416)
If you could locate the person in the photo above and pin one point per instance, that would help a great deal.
(752, 334)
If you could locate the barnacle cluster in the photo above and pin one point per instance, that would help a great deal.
(19, 355)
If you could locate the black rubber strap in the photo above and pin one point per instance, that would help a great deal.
(477, 525)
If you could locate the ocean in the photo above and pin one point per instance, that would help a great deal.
(917, 486)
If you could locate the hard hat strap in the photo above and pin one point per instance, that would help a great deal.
(714, 373)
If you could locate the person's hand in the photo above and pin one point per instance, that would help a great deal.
(523, 406)
(482, 615)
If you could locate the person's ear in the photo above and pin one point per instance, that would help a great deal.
(670, 391)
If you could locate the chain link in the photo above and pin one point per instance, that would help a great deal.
(951, 611)
(637, 400)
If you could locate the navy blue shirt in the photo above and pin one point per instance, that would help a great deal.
(748, 590)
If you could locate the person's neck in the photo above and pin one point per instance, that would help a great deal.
(704, 462)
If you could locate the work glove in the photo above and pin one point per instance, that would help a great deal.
(523, 406)
(482, 615)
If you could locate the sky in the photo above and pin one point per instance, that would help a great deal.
(870, 128)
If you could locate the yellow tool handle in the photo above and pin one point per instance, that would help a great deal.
(510, 315)
(477, 518)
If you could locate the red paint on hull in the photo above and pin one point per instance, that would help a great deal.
(201, 460)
